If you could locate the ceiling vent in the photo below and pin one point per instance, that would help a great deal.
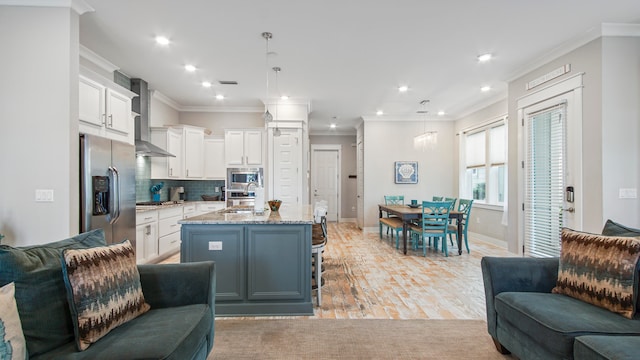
(227, 82)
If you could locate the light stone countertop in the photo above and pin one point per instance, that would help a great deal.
(286, 215)
(143, 208)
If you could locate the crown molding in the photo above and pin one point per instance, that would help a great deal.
(79, 6)
(165, 99)
(611, 29)
(605, 29)
(96, 59)
(223, 109)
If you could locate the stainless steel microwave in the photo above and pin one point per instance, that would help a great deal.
(239, 178)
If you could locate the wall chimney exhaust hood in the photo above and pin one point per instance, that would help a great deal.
(140, 105)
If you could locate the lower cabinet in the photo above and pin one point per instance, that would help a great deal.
(146, 236)
(169, 230)
(262, 269)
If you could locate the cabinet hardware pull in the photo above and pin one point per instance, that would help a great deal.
(110, 120)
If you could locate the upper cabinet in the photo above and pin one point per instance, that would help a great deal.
(105, 109)
(243, 147)
(214, 163)
(187, 144)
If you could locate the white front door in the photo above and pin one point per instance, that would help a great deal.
(325, 177)
(286, 167)
(360, 186)
(552, 167)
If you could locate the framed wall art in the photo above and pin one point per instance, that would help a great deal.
(406, 172)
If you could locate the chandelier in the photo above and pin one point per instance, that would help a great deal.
(428, 139)
(276, 131)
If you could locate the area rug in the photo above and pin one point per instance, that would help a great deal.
(352, 339)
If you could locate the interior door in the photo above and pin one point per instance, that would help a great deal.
(286, 166)
(325, 179)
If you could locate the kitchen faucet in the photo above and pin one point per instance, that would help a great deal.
(254, 183)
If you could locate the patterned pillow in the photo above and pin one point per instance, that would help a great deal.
(12, 343)
(103, 287)
(600, 270)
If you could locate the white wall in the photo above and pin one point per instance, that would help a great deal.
(620, 128)
(218, 121)
(38, 112)
(161, 114)
(389, 141)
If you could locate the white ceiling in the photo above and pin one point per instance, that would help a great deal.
(345, 57)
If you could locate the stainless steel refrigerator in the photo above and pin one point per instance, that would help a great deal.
(108, 188)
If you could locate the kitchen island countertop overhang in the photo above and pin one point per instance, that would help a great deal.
(239, 215)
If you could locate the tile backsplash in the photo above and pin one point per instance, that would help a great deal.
(192, 188)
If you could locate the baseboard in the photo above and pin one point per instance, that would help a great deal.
(345, 220)
(488, 239)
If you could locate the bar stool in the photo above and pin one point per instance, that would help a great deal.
(318, 243)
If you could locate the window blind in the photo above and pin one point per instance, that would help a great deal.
(544, 189)
(475, 150)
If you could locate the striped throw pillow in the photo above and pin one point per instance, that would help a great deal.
(600, 270)
(104, 291)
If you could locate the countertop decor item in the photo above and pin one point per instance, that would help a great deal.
(274, 205)
(210, 197)
(155, 190)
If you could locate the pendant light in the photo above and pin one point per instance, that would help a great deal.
(267, 115)
(427, 139)
(276, 131)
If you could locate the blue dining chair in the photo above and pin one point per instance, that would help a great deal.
(435, 224)
(464, 206)
(392, 222)
(437, 198)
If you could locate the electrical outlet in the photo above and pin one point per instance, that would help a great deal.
(627, 193)
(215, 245)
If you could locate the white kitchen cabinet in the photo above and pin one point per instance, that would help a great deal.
(243, 148)
(187, 144)
(104, 109)
(146, 236)
(193, 152)
(214, 163)
(169, 230)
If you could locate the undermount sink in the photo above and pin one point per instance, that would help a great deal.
(238, 210)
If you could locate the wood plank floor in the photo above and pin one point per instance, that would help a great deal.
(367, 277)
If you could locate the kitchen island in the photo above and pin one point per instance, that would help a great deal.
(263, 261)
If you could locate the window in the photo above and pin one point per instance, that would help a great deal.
(483, 163)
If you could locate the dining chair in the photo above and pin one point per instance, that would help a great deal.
(464, 206)
(437, 198)
(435, 224)
(392, 222)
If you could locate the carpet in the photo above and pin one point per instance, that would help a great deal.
(352, 339)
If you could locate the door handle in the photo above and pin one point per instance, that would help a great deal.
(116, 190)
(571, 210)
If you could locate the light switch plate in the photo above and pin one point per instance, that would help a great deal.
(44, 195)
(628, 193)
(215, 245)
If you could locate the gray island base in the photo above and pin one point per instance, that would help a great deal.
(263, 261)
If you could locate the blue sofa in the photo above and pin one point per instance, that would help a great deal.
(180, 324)
(526, 319)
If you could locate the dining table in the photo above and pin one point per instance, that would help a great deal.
(408, 213)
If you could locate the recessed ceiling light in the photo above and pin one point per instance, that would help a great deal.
(484, 57)
(284, 97)
(190, 68)
(162, 40)
(333, 126)
(485, 88)
(379, 112)
(206, 84)
(220, 97)
(441, 112)
(403, 88)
